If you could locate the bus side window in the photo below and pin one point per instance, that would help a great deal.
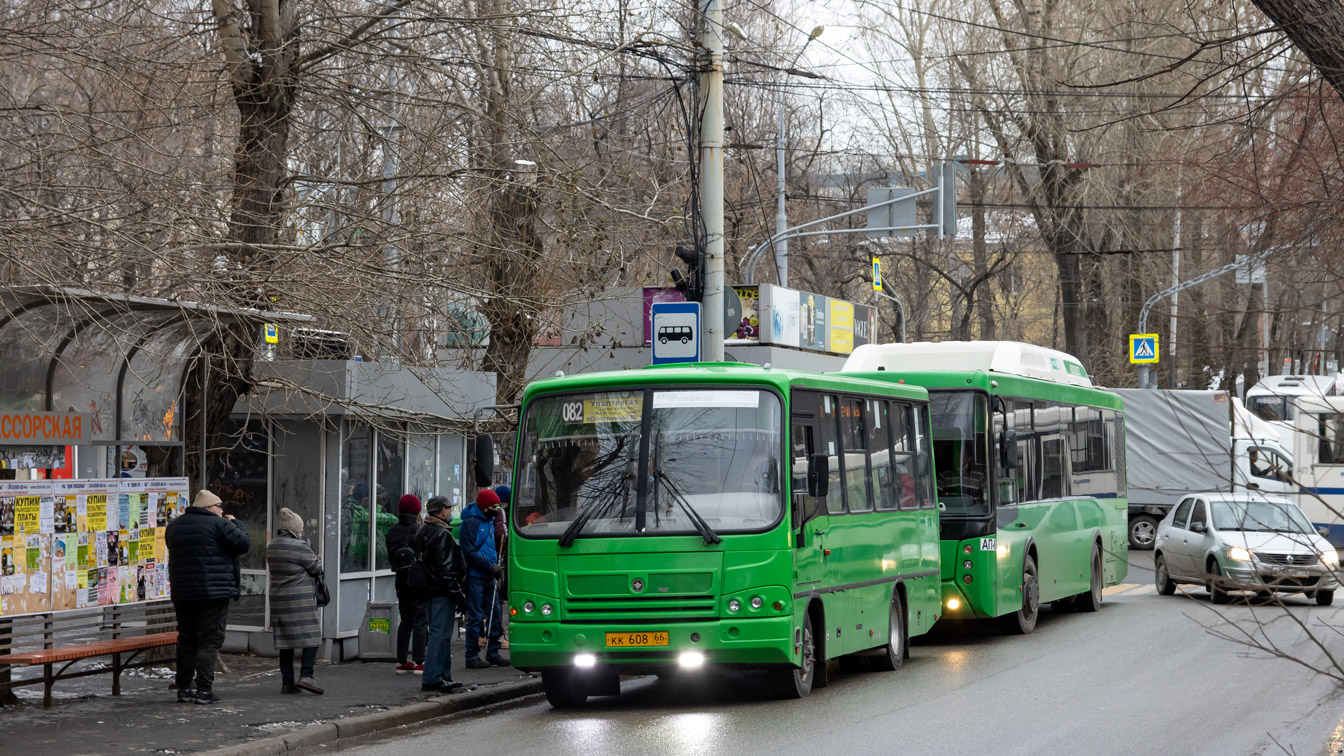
(828, 443)
(855, 442)
(802, 444)
(923, 459)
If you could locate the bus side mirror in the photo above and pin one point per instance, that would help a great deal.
(1008, 450)
(818, 475)
(485, 461)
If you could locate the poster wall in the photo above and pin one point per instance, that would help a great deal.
(72, 544)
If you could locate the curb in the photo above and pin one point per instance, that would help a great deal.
(338, 729)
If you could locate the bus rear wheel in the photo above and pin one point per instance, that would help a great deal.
(564, 689)
(796, 682)
(1023, 620)
(1090, 601)
(895, 650)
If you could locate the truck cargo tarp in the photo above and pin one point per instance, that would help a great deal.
(1176, 443)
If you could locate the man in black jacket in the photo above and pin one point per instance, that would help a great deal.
(411, 604)
(203, 571)
(445, 574)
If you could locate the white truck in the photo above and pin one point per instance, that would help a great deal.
(1318, 469)
(1178, 442)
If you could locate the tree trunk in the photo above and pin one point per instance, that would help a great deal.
(1316, 27)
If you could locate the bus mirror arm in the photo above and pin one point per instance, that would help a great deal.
(818, 475)
(1008, 450)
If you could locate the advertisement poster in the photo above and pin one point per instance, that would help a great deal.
(72, 544)
(749, 329)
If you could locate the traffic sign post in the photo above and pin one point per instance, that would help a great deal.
(675, 331)
(1144, 351)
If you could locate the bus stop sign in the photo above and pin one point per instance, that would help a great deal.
(1142, 348)
(675, 332)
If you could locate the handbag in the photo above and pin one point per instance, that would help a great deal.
(320, 592)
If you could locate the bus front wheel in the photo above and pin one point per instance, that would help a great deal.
(564, 689)
(1023, 620)
(796, 682)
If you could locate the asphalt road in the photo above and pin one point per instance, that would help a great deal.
(1148, 674)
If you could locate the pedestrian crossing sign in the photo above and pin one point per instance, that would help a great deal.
(1142, 348)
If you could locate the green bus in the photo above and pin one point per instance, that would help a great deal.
(674, 517)
(1030, 472)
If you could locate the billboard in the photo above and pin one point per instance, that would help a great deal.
(72, 544)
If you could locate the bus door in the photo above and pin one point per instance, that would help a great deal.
(808, 512)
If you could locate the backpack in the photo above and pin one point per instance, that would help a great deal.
(403, 557)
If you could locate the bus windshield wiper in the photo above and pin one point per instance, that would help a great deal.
(602, 506)
(706, 531)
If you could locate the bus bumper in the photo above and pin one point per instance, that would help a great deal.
(763, 640)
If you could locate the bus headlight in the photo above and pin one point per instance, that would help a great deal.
(953, 604)
(734, 606)
(1238, 554)
(546, 610)
(756, 602)
(585, 661)
(529, 607)
(1330, 557)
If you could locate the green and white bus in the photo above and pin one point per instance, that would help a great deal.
(1030, 471)
(674, 517)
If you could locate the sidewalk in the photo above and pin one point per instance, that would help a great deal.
(146, 718)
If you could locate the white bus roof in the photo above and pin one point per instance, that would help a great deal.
(1007, 357)
(1294, 385)
(1319, 404)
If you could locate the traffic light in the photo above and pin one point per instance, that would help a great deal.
(691, 284)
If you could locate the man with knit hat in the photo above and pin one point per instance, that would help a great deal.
(412, 604)
(483, 568)
(203, 573)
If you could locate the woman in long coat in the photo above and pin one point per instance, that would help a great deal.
(294, 570)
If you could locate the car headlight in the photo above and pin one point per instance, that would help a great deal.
(1330, 557)
(1238, 554)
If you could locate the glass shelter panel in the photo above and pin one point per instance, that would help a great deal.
(27, 342)
(356, 502)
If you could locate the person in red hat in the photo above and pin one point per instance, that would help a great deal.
(412, 603)
(483, 569)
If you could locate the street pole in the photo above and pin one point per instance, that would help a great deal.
(711, 179)
(1175, 296)
(781, 214)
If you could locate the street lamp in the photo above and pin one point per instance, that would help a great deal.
(781, 214)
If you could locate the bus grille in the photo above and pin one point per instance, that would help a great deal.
(641, 608)
(1294, 560)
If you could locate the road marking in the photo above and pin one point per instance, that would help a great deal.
(1121, 588)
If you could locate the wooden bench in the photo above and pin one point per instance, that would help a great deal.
(62, 639)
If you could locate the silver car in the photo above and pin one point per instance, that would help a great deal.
(1243, 542)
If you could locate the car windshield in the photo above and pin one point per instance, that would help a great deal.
(713, 460)
(1259, 516)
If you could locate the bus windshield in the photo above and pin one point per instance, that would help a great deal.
(960, 452)
(713, 456)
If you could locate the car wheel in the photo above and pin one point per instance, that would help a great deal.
(1142, 532)
(1023, 620)
(1216, 589)
(891, 660)
(1091, 600)
(564, 689)
(796, 682)
(1325, 598)
(1165, 585)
